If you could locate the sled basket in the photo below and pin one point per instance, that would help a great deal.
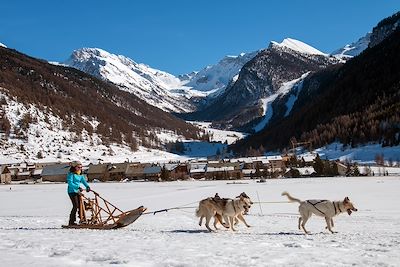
(98, 213)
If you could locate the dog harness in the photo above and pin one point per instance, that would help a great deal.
(338, 206)
(315, 205)
(233, 204)
(321, 201)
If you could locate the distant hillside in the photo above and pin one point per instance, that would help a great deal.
(82, 102)
(355, 103)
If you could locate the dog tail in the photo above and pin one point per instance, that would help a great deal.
(291, 199)
(198, 212)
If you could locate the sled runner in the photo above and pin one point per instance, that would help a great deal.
(98, 213)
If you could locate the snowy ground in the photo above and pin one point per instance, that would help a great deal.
(31, 216)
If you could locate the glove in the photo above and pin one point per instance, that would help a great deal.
(87, 189)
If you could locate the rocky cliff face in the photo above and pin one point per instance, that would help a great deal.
(384, 29)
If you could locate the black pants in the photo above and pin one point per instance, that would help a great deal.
(75, 199)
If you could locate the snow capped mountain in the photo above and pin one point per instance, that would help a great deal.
(240, 105)
(154, 86)
(298, 46)
(2, 45)
(353, 49)
(216, 77)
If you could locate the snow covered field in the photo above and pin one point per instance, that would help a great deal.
(31, 216)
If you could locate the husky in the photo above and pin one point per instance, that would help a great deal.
(226, 208)
(323, 208)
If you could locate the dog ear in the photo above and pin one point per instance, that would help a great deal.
(346, 199)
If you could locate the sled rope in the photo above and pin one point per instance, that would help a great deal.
(174, 208)
(270, 202)
(182, 207)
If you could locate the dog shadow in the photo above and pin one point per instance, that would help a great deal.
(292, 234)
(189, 231)
(30, 228)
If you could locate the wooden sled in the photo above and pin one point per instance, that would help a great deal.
(98, 213)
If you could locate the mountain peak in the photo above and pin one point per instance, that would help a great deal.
(154, 86)
(2, 45)
(298, 46)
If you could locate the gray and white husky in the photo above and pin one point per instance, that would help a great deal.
(323, 208)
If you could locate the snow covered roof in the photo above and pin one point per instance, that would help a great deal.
(271, 158)
(170, 166)
(56, 169)
(200, 170)
(25, 173)
(152, 170)
(37, 172)
(309, 157)
(306, 170)
(220, 169)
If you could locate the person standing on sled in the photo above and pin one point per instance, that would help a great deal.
(74, 180)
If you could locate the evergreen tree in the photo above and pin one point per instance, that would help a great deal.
(164, 174)
(318, 166)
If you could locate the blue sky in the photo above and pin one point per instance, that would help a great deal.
(182, 36)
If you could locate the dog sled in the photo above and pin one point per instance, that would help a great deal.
(98, 213)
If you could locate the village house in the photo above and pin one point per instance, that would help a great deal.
(224, 170)
(276, 163)
(135, 170)
(152, 173)
(5, 175)
(36, 174)
(117, 171)
(55, 173)
(342, 168)
(197, 170)
(98, 172)
(177, 171)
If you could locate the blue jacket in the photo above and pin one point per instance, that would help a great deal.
(74, 181)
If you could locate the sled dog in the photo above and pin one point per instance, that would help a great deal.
(226, 208)
(323, 208)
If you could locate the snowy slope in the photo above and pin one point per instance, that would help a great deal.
(353, 49)
(267, 102)
(216, 77)
(3, 45)
(154, 86)
(48, 136)
(363, 154)
(298, 46)
(31, 216)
